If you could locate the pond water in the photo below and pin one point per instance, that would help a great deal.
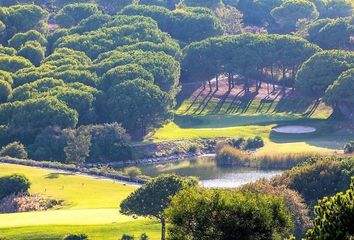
(209, 174)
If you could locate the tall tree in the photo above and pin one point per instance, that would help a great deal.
(154, 197)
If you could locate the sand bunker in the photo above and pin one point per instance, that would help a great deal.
(294, 129)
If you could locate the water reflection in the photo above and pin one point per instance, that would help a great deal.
(210, 175)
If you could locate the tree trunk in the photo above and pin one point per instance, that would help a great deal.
(210, 86)
(163, 228)
(217, 82)
(272, 73)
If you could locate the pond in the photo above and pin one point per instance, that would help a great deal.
(209, 174)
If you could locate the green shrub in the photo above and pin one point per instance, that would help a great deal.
(349, 147)
(318, 178)
(13, 184)
(76, 237)
(15, 150)
(127, 237)
(132, 172)
(254, 143)
(225, 214)
(334, 217)
(247, 144)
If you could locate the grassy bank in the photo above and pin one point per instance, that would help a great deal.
(91, 206)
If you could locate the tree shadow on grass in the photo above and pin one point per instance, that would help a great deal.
(204, 103)
(57, 175)
(241, 104)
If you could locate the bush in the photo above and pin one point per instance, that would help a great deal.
(15, 150)
(254, 143)
(230, 156)
(225, 214)
(76, 237)
(133, 172)
(13, 184)
(5, 91)
(317, 178)
(250, 143)
(293, 201)
(334, 217)
(144, 237)
(349, 147)
(127, 237)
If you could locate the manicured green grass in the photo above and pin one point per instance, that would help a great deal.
(199, 120)
(91, 207)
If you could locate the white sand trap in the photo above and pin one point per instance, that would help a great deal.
(294, 129)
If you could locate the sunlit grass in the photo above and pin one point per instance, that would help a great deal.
(91, 207)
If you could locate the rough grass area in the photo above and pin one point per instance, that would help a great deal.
(91, 207)
(206, 114)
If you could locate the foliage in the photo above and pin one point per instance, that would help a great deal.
(78, 146)
(33, 51)
(334, 217)
(223, 214)
(15, 150)
(6, 76)
(13, 184)
(340, 92)
(133, 172)
(123, 73)
(203, 3)
(262, 55)
(22, 18)
(294, 203)
(19, 39)
(317, 179)
(76, 237)
(49, 144)
(180, 23)
(349, 147)
(291, 11)
(38, 113)
(137, 104)
(109, 143)
(331, 33)
(13, 63)
(230, 18)
(329, 65)
(127, 237)
(154, 197)
(5, 91)
(72, 14)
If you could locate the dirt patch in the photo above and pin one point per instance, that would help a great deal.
(266, 91)
(294, 129)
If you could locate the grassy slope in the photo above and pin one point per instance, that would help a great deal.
(217, 118)
(91, 207)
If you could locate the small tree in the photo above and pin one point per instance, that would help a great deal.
(13, 184)
(152, 198)
(78, 146)
(15, 150)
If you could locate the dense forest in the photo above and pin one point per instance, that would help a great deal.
(111, 70)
